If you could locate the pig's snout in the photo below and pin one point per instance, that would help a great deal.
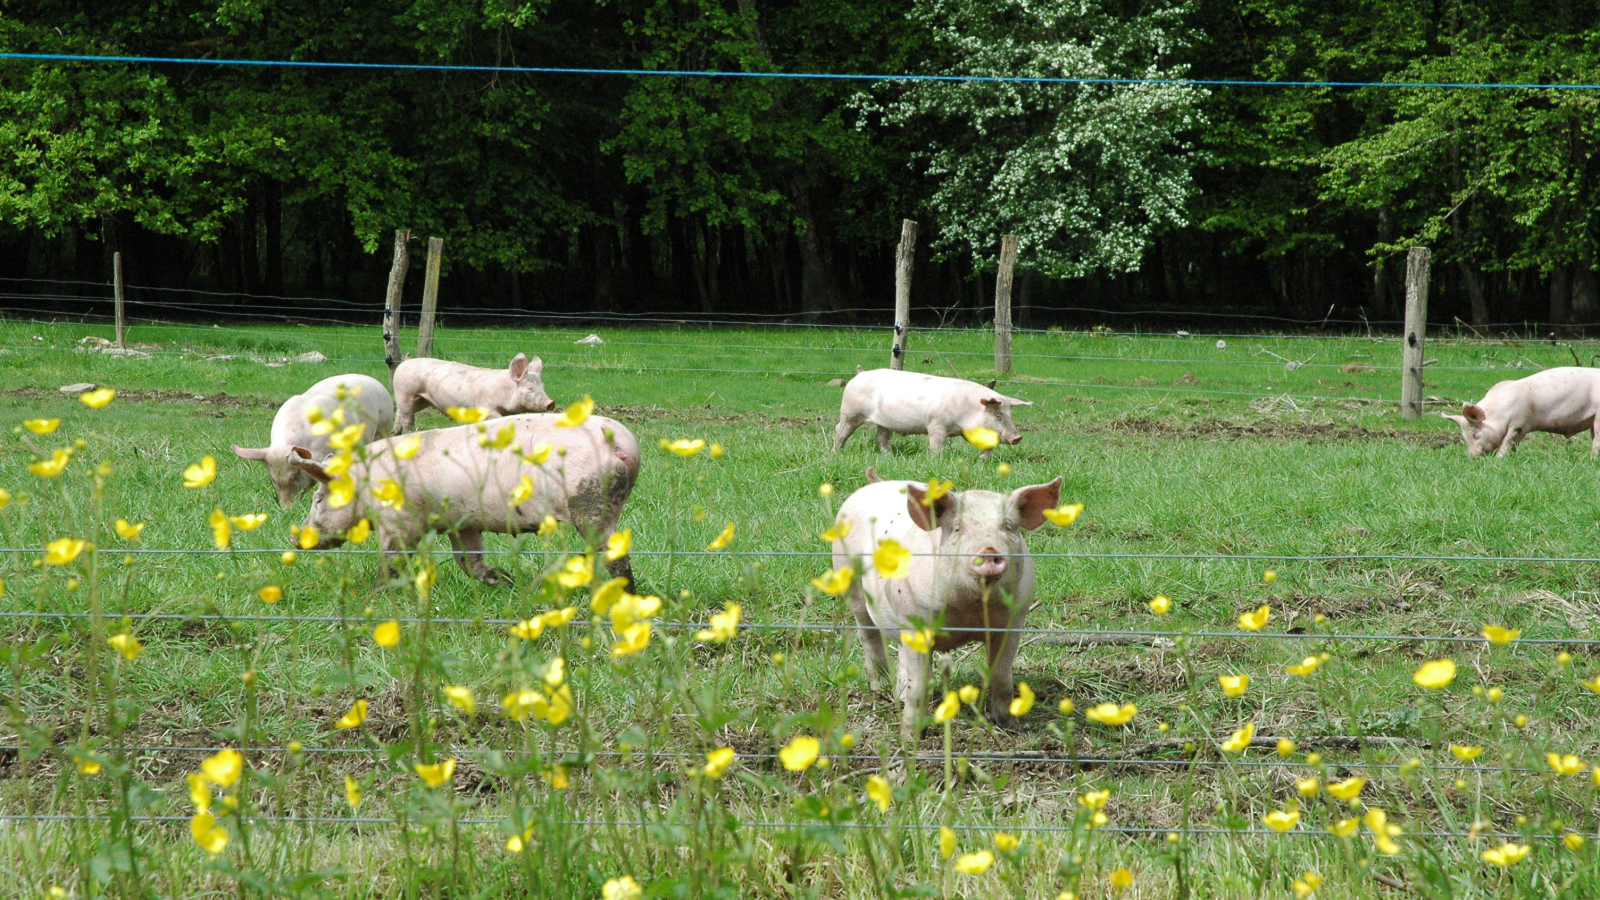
(1014, 439)
(549, 405)
(989, 563)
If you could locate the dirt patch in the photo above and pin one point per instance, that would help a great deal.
(221, 398)
(1312, 432)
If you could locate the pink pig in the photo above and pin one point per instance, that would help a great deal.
(423, 382)
(911, 403)
(459, 483)
(1562, 401)
(365, 402)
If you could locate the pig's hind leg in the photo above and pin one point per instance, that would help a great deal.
(469, 553)
(843, 430)
(871, 639)
(884, 435)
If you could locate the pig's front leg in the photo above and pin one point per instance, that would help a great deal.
(936, 439)
(468, 545)
(622, 567)
(1002, 647)
(911, 685)
(1594, 447)
(871, 638)
(884, 435)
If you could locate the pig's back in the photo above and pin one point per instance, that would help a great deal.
(901, 401)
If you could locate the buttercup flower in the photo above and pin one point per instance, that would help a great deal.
(1255, 621)
(1269, 576)
(576, 414)
(1307, 883)
(879, 792)
(61, 551)
(221, 529)
(460, 696)
(128, 531)
(224, 768)
(724, 625)
(1465, 753)
(1507, 854)
(981, 437)
(718, 761)
(249, 521)
(1239, 741)
(1574, 841)
(891, 560)
(722, 540)
(1307, 787)
(352, 793)
(437, 773)
(539, 453)
(947, 842)
(968, 693)
(1282, 819)
(1592, 684)
(86, 766)
(975, 863)
(387, 635)
(555, 618)
(837, 532)
(353, 718)
(1023, 701)
(800, 753)
(920, 640)
(1004, 842)
(1234, 685)
(1160, 604)
(467, 415)
(41, 426)
(1348, 789)
(201, 473)
(1306, 666)
(501, 440)
(55, 465)
(606, 594)
(1121, 879)
(347, 438)
(624, 888)
(1436, 674)
(1094, 800)
(576, 572)
(424, 579)
(211, 836)
(1063, 515)
(683, 447)
(359, 532)
(1285, 746)
(97, 399)
(522, 493)
(126, 645)
(618, 545)
(1111, 714)
(632, 639)
(837, 582)
(1565, 765)
(947, 708)
(389, 493)
(407, 447)
(1499, 635)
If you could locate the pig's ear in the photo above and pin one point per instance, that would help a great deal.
(1015, 402)
(1474, 413)
(1032, 501)
(256, 453)
(312, 469)
(1459, 420)
(536, 365)
(943, 508)
(872, 475)
(519, 367)
(302, 452)
(992, 400)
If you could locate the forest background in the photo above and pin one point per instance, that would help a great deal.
(707, 196)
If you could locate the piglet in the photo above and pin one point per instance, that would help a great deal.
(970, 576)
(458, 482)
(365, 401)
(910, 403)
(423, 382)
(1562, 401)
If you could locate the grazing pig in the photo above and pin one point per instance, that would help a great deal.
(422, 382)
(365, 400)
(911, 403)
(1562, 401)
(978, 587)
(459, 483)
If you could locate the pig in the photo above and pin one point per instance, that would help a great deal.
(979, 586)
(367, 402)
(910, 403)
(1562, 401)
(422, 382)
(459, 484)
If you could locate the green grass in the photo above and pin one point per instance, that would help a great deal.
(1174, 446)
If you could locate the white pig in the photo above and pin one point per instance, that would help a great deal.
(423, 382)
(367, 401)
(911, 403)
(978, 587)
(1562, 401)
(458, 485)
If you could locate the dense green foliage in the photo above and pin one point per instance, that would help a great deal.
(620, 193)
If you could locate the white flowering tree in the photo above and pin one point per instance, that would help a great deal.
(1084, 174)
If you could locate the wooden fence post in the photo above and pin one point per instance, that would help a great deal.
(392, 355)
(904, 257)
(1002, 305)
(430, 298)
(116, 281)
(1417, 262)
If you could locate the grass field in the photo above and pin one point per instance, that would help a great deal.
(1175, 446)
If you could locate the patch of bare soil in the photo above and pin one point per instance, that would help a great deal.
(221, 398)
(1311, 432)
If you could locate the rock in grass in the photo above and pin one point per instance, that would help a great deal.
(592, 340)
(310, 357)
(78, 388)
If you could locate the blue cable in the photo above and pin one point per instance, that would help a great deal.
(821, 76)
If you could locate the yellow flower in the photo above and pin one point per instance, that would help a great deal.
(618, 545)
(127, 645)
(97, 399)
(5, 498)
(388, 634)
(1094, 800)
(561, 705)
(128, 531)
(879, 792)
(467, 415)
(1064, 515)
(221, 529)
(576, 572)
(1003, 842)
(624, 888)
(1507, 854)
(947, 708)
(539, 453)
(211, 836)
(359, 532)
(224, 768)
(199, 792)
(837, 582)
(555, 673)
(86, 766)
(716, 451)
(50, 468)
(975, 863)
(1565, 765)
(460, 696)
(1003, 469)
(1307, 787)
(341, 492)
(307, 537)
(1345, 827)
(1306, 666)
(1436, 674)
(548, 526)
(1384, 841)
(348, 437)
(352, 793)
(522, 493)
(1593, 684)
(1255, 621)
(837, 532)
(526, 702)
(724, 625)
(555, 618)
(935, 490)
(800, 753)
(1160, 605)
(683, 447)
(1234, 685)
(825, 490)
(968, 693)
(633, 639)
(1495, 694)
(921, 640)
(556, 777)
(1239, 741)
(718, 761)
(353, 718)
(1594, 776)
(981, 437)
(1573, 841)
(1121, 879)
(576, 414)
(892, 561)
(1023, 701)
(1498, 635)
(606, 594)
(1306, 884)
(1348, 789)
(201, 473)
(1111, 714)
(390, 494)
(947, 842)
(437, 773)
(1269, 576)
(41, 426)
(406, 448)
(723, 539)
(1285, 746)
(1066, 706)
(501, 440)
(248, 522)
(1465, 753)
(1282, 819)
(633, 608)
(61, 551)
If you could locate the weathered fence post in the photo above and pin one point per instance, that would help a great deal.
(116, 281)
(392, 355)
(1417, 262)
(1002, 305)
(904, 257)
(430, 298)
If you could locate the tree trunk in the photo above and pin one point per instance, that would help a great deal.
(1585, 294)
(815, 295)
(1560, 294)
(272, 212)
(1474, 288)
